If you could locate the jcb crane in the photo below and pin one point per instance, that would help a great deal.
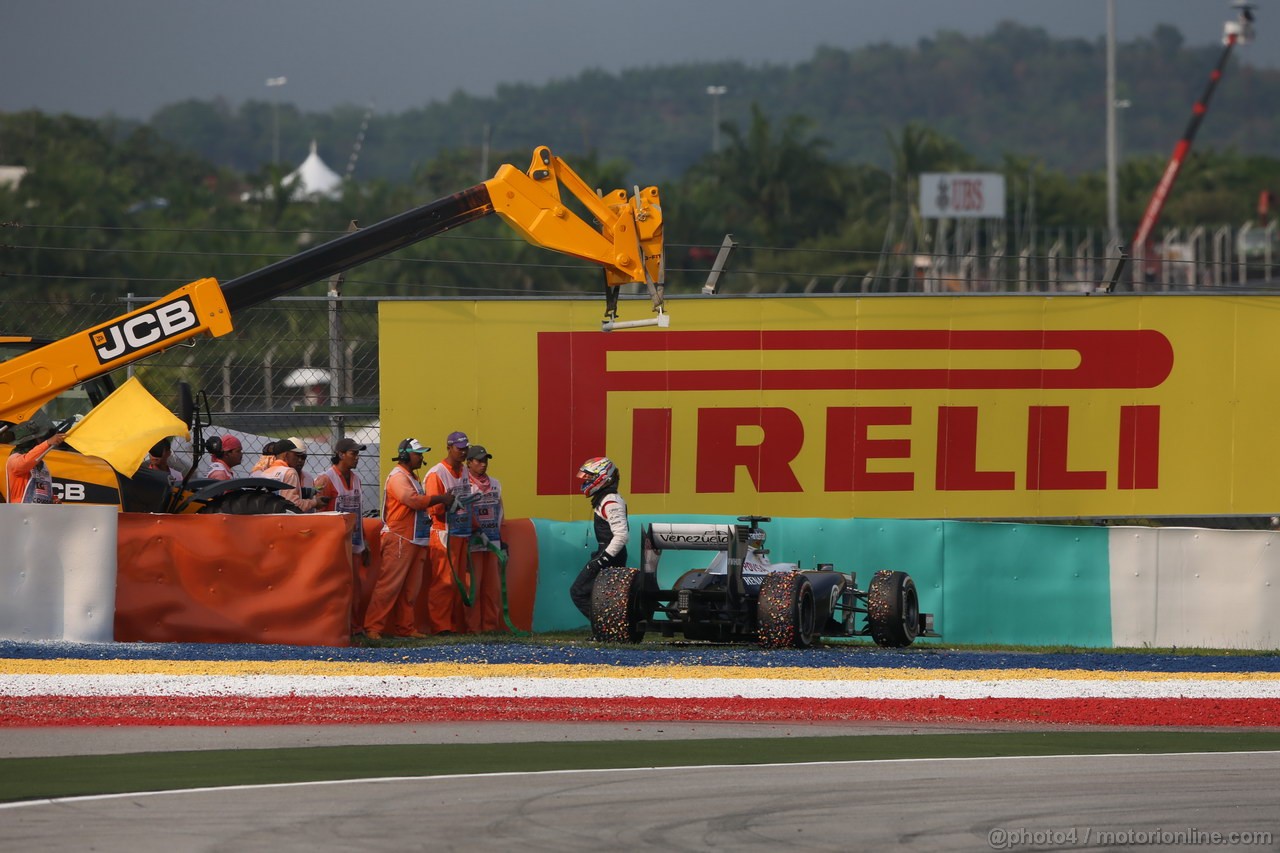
(626, 241)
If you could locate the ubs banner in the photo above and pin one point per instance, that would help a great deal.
(962, 195)
(904, 407)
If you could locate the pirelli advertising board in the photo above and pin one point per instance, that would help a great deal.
(896, 407)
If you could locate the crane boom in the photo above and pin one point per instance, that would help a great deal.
(1234, 32)
(627, 242)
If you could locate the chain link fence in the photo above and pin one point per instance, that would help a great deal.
(976, 256)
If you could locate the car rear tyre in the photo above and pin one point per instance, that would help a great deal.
(893, 609)
(616, 607)
(785, 613)
(249, 503)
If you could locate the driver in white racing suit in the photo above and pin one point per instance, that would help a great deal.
(599, 481)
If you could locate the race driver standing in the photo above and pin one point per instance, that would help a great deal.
(598, 480)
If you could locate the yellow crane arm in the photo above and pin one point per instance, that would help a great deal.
(29, 381)
(626, 240)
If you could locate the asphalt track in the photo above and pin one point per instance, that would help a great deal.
(1066, 802)
(642, 784)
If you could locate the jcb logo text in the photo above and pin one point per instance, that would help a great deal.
(144, 329)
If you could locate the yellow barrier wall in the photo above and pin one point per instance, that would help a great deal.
(940, 407)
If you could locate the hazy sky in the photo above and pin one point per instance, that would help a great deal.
(130, 57)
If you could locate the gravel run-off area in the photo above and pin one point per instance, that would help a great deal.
(68, 684)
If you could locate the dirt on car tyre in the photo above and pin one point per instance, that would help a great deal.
(616, 609)
(893, 609)
(785, 612)
(249, 503)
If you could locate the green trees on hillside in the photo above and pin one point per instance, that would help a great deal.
(1013, 91)
(109, 209)
(774, 187)
(815, 175)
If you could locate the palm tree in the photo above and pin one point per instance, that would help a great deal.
(782, 187)
(921, 149)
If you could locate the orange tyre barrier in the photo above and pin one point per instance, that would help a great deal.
(234, 579)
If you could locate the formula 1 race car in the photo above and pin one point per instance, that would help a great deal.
(742, 596)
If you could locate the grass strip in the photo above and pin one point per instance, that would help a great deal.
(68, 776)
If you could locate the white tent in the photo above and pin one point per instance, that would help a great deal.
(11, 176)
(313, 178)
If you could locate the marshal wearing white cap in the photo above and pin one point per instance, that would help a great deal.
(291, 454)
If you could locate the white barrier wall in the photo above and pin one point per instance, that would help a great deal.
(57, 572)
(1195, 588)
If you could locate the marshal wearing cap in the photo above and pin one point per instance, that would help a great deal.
(293, 443)
(345, 445)
(410, 445)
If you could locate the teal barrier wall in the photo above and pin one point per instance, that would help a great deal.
(1027, 584)
(1016, 584)
(563, 549)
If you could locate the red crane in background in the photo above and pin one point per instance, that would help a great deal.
(1239, 31)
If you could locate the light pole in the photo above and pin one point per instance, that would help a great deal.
(716, 92)
(275, 83)
(1113, 217)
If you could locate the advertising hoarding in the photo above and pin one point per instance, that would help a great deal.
(835, 407)
(962, 195)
